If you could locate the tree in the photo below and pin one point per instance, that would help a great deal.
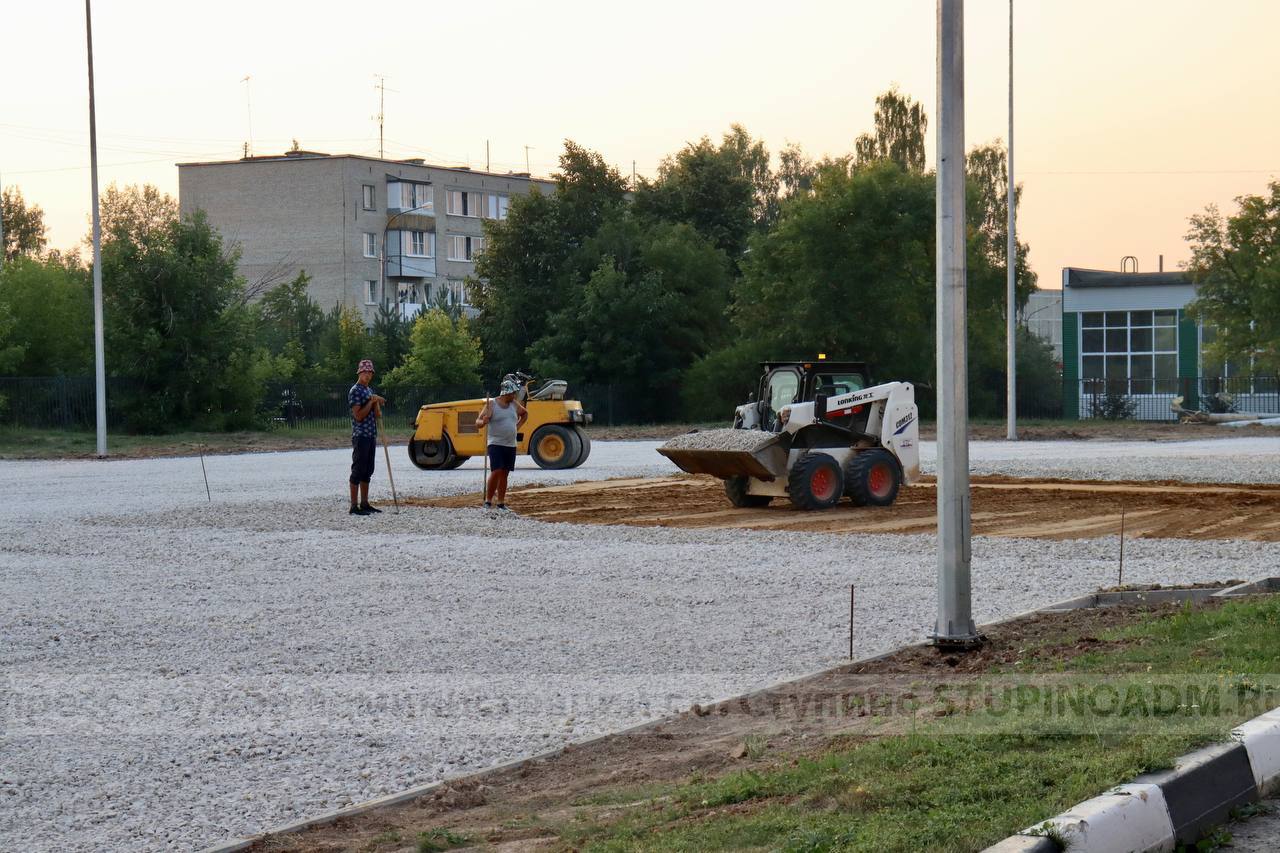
(900, 125)
(652, 303)
(174, 323)
(288, 315)
(796, 172)
(50, 300)
(1235, 265)
(11, 351)
(705, 187)
(135, 213)
(392, 330)
(752, 163)
(24, 229)
(442, 353)
(526, 271)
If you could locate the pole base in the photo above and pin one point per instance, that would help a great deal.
(958, 644)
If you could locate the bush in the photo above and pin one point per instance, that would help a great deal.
(1112, 405)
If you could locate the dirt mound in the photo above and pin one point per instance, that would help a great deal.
(1002, 506)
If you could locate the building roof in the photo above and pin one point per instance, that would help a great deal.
(1108, 278)
(319, 155)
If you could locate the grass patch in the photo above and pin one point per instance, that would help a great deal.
(435, 840)
(25, 443)
(951, 785)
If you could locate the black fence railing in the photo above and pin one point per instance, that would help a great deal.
(68, 402)
(1153, 399)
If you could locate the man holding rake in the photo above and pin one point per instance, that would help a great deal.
(365, 410)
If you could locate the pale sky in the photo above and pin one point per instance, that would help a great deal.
(1132, 115)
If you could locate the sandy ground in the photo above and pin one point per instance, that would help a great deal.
(179, 671)
(1002, 506)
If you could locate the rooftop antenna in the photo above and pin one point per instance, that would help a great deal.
(382, 103)
(527, 149)
(248, 105)
(1124, 263)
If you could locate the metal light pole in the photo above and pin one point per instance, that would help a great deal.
(954, 627)
(1011, 262)
(99, 358)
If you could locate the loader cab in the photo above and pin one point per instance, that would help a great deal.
(785, 382)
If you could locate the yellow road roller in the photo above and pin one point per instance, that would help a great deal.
(445, 434)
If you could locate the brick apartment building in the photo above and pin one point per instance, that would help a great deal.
(342, 217)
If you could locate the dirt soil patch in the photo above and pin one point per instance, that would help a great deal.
(1002, 506)
(518, 807)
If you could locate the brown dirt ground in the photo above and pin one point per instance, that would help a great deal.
(518, 808)
(1002, 506)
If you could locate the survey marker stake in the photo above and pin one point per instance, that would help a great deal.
(1120, 580)
(850, 621)
(207, 493)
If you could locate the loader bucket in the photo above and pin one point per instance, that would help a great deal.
(766, 461)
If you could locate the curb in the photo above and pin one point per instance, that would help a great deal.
(1018, 841)
(1159, 811)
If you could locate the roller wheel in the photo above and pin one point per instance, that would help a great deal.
(585, 440)
(873, 477)
(736, 489)
(454, 461)
(815, 482)
(431, 455)
(555, 446)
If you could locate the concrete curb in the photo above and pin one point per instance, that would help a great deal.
(1159, 811)
(1078, 602)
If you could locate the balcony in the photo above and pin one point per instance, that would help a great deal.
(409, 266)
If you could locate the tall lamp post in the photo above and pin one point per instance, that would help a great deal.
(382, 284)
(99, 359)
(954, 627)
(1011, 263)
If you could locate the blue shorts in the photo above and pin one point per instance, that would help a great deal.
(502, 458)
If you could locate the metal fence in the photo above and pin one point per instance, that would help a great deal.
(1153, 399)
(68, 402)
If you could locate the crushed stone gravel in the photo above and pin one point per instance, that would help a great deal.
(178, 673)
(721, 439)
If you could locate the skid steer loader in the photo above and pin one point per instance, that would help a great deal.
(821, 436)
(445, 435)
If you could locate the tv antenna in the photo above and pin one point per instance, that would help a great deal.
(382, 102)
(248, 105)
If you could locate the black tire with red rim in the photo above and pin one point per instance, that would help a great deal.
(815, 481)
(873, 477)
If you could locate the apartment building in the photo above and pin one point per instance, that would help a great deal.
(367, 230)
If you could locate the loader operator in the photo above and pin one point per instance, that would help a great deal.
(503, 416)
(365, 409)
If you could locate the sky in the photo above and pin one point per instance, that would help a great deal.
(1131, 115)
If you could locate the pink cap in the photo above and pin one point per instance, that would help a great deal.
(366, 366)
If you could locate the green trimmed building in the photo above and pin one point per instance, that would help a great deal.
(1128, 334)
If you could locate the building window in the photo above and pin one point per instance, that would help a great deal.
(366, 191)
(370, 245)
(498, 204)
(1139, 348)
(458, 291)
(406, 195)
(421, 244)
(406, 293)
(465, 203)
(370, 292)
(465, 248)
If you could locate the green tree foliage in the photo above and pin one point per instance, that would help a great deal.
(11, 350)
(652, 303)
(1235, 264)
(24, 229)
(900, 125)
(708, 187)
(531, 259)
(175, 322)
(51, 302)
(390, 334)
(796, 172)
(287, 315)
(442, 353)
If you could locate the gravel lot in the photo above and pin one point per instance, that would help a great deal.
(179, 673)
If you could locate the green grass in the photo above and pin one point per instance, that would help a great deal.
(964, 781)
